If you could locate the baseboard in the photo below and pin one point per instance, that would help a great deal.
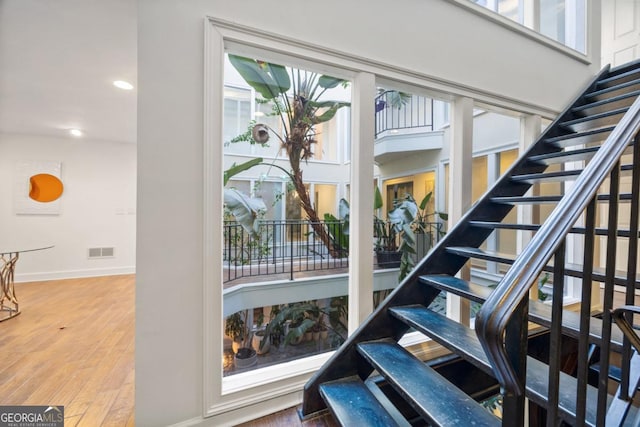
(246, 413)
(72, 274)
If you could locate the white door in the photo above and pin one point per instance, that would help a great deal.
(620, 31)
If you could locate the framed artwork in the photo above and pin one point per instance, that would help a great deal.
(38, 187)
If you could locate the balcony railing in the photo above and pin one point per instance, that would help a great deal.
(281, 247)
(287, 247)
(395, 110)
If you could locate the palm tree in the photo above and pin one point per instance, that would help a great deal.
(295, 96)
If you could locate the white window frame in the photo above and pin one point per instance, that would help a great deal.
(280, 387)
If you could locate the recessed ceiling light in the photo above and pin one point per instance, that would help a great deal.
(123, 85)
(75, 132)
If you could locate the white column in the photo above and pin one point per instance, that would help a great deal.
(493, 173)
(530, 127)
(460, 176)
(361, 212)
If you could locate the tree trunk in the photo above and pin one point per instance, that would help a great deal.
(312, 215)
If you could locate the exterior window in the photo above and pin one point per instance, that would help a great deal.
(512, 9)
(564, 21)
(272, 240)
(561, 20)
(237, 114)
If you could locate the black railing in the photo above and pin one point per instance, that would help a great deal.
(280, 247)
(503, 312)
(395, 110)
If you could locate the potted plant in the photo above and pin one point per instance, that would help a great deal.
(386, 244)
(260, 342)
(236, 328)
(427, 226)
(300, 319)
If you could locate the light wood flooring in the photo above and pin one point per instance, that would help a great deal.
(72, 345)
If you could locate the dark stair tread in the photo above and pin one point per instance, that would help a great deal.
(612, 87)
(539, 312)
(435, 398)
(615, 373)
(613, 103)
(536, 227)
(352, 403)
(616, 77)
(548, 176)
(564, 175)
(578, 138)
(478, 253)
(464, 342)
(464, 288)
(606, 118)
(565, 156)
(571, 270)
(624, 197)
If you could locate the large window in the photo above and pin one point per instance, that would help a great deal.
(281, 228)
(561, 20)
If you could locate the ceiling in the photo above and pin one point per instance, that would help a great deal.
(58, 61)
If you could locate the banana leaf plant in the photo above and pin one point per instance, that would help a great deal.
(296, 98)
(408, 219)
(245, 209)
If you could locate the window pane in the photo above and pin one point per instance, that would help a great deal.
(268, 251)
(511, 9)
(237, 114)
(564, 21)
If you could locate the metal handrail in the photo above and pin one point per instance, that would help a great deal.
(498, 310)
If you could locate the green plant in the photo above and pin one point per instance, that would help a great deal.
(543, 280)
(245, 209)
(302, 317)
(297, 101)
(383, 231)
(338, 228)
(408, 220)
(242, 248)
(236, 327)
(424, 219)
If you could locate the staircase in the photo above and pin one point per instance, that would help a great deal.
(520, 346)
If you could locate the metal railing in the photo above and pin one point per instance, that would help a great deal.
(280, 247)
(290, 246)
(499, 324)
(395, 110)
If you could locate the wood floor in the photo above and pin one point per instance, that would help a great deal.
(72, 345)
(289, 418)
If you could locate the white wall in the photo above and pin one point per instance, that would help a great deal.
(431, 37)
(97, 208)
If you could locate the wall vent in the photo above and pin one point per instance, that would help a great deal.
(101, 253)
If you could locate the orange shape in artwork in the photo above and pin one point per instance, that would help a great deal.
(45, 188)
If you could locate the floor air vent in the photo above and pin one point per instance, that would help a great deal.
(101, 252)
